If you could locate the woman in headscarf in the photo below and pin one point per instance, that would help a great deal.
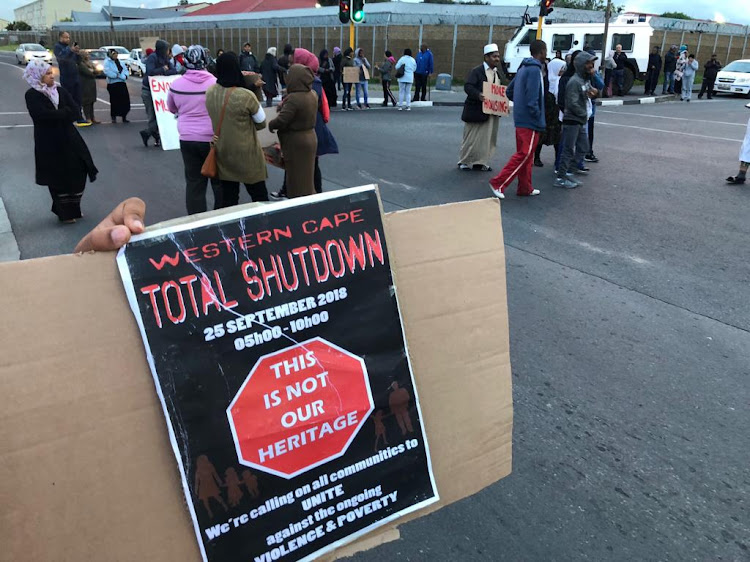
(88, 86)
(326, 73)
(117, 77)
(295, 123)
(63, 161)
(386, 75)
(269, 70)
(326, 141)
(346, 62)
(178, 58)
(337, 60)
(187, 99)
(239, 156)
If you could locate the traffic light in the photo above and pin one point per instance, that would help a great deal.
(545, 8)
(344, 9)
(358, 11)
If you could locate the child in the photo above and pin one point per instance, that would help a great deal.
(688, 77)
(744, 157)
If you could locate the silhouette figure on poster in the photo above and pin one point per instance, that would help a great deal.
(377, 418)
(234, 492)
(251, 483)
(207, 483)
(398, 401)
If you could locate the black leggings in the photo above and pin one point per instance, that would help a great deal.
(231, 192)
(388, 95)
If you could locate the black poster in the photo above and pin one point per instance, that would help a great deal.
(276, 345)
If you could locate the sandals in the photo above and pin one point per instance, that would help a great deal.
(735, 180)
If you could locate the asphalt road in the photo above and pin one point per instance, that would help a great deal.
(629, 318)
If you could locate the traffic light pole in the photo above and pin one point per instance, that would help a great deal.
(539, 28)
(351, 35)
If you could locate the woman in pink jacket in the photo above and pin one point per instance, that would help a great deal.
(187, 100)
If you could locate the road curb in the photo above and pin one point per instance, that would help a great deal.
(602, 102)
(8, 246)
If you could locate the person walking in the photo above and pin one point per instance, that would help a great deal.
(480, 129)
(711, 70)
(527, 92)
(670, 65)
(688, 77)
(348, 61)
(653, 72)
(386, 76)
(578, 107)
(236, 116)
(364, 76)
(405, 79)
(425, 67)
(270, 70)
(248, 62)
(67, 61)
(337, 60)
(157, 64)
(187, 100)
(327, 72)
(62, 159)
(87, 78)
(295, 124)
(551, 135)
(740, 178)
(117, 77)
(620, 59)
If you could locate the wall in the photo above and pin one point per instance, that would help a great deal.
(42, 14)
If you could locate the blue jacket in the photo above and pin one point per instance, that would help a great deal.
(526, 91)
(67, 60)
(598, 83)
(425, 64)
(113, 75)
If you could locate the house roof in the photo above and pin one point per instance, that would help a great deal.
(87, 17)
(138, 13)
(244, 6)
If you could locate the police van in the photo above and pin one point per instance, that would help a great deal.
(632, 31)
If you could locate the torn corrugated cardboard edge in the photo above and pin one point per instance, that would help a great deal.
(85, 463)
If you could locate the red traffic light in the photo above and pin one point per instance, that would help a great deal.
(344, 10)
(545, 7)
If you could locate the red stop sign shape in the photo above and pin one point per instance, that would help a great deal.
(299, 408)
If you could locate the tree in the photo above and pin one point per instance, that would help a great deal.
(18, 26)
(598, 5)
(67, 19)
(676, 15)
(184, 2)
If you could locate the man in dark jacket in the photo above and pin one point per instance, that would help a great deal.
(653, 72)
(425, 67)
(578, 108)
(620, 59)
(67, 59)
(712, 67)
(670, 65)
(526, 91)
(285, 63)
(157, 64)
(248, 62)
(480, 129)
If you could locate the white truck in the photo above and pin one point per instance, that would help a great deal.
(632, 31)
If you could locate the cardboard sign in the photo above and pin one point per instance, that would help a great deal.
(166, 120)
(495, 100)
(90, 441)
(275, 341)
(351, 75)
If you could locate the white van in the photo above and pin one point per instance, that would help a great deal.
(734, 78)
(632, 31)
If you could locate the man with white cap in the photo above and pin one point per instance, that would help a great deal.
(480, 129)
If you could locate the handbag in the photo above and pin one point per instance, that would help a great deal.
(210, 168)
(400, 71)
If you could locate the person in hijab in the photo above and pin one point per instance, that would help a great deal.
(347, 61)
(87, 78)
(62, 159)
(239, 156)
(178, 58)
(157, 64)
(337, 60)
(326, 141)
(117, 77)
(285, 61)
(187, 100)
(364, 66)
(295, 123)
(386, 75)
(270, 70)
(326, 72)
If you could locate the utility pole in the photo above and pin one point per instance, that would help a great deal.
(605, 50)
(111, 26)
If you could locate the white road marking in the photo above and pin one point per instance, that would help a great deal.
(675, 118)
(668, 132)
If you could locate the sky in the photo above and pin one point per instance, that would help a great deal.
(735, 11)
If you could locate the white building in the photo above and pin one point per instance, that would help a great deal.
(41, 14)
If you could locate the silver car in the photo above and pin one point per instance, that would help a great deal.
(28, 51)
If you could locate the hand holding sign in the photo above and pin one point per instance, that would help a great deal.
(495, 101)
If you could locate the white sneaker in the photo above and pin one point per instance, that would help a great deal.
(409, 108)
(400, 108)
(496, 192)
(535, 192)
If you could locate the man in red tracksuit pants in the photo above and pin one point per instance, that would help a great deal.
(526, 91)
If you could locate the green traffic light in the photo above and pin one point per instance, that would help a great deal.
(358, 16)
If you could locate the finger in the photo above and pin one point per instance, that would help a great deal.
(133, 214)
(104, 239)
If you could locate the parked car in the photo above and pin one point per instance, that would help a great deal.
(137, 64)
(122, 53)
(734, 78)
(29, 51)
(98, 57)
